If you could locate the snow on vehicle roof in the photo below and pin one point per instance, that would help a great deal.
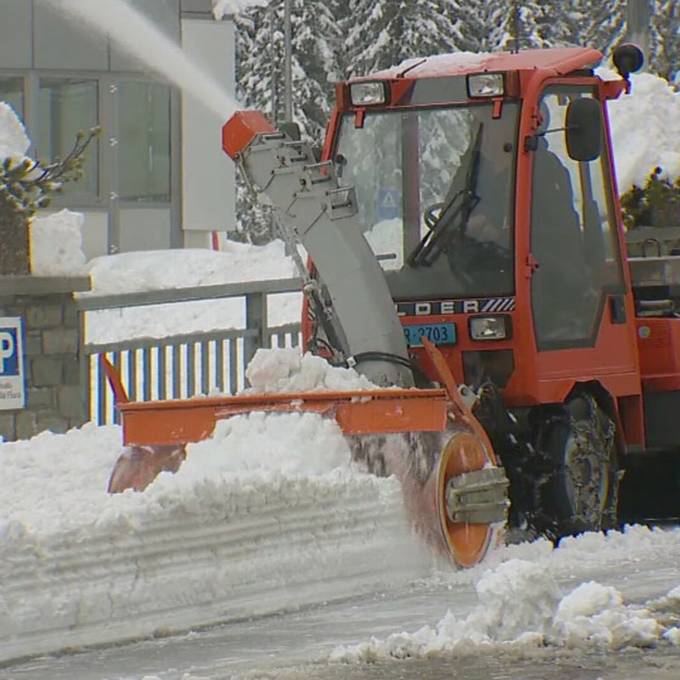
(561, 60)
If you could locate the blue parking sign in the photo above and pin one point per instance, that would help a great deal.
(12, 390)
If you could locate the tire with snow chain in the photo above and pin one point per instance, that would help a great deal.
(582, 491)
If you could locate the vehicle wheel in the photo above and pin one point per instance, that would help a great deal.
(582, 492)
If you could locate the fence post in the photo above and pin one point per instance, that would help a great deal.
(256, 319)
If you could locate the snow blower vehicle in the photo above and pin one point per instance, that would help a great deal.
(467, 251)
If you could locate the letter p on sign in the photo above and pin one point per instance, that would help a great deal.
(7, 352)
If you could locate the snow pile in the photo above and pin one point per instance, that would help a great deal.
(13, 140)
(161, 269)
(267, 515)
(286, 370)
(520, 605)
(167, 269)
(645, 129)
(57, 244)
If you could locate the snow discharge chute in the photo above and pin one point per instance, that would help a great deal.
(453, 489)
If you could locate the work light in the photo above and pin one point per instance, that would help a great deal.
(486, 85)
(368, 94)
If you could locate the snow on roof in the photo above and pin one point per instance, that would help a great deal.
(562, 60)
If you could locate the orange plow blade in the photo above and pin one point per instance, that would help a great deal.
(454, 493)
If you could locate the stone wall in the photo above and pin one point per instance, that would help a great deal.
(54, 390)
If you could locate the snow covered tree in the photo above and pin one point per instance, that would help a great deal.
(600, 25)
(664, 48)
(25, 187)
(382, 33)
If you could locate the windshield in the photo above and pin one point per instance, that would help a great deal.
(434, 194)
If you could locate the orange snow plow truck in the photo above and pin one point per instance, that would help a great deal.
(467, 252)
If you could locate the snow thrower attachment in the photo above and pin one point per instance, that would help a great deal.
(454, 494)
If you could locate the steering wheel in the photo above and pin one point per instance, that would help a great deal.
(432, 214)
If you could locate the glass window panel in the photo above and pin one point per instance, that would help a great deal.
(12, 93)
(144, 141)
(67, 106)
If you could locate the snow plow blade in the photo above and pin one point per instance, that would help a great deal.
(456, 496)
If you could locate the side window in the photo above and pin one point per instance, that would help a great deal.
(573, 234)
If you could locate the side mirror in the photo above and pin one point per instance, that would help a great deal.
(584, 129)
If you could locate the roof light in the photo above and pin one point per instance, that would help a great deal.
(368, 94)
(488, 328)
(486, 85)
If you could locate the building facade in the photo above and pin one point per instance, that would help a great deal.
(156, 177)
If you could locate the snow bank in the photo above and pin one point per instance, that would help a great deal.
(645, 129)
(286, 370)
(520, 605)
(266, 516)
(13, 140)
(57, 245)
(166, 269)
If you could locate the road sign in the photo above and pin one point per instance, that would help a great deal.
(388, 203)
(12, 384)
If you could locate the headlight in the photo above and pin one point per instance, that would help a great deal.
(490, 327)
(368, 94)
(486, 85)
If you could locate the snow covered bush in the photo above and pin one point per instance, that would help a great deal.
(26, 185)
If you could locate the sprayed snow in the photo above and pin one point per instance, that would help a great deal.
(520, 605)
(141, 38)
(13, 140)
(286, 370)
(57, 244)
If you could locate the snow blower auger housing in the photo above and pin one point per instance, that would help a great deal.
(467, 251)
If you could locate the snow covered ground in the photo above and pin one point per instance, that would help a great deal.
(270, 516)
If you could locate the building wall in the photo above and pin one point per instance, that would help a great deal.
(144, 186)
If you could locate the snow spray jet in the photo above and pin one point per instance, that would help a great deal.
(140, 38)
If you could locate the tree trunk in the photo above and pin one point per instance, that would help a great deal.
(14, 243)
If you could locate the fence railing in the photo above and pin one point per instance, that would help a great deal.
(184, 364)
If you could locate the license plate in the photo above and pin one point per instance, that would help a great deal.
(437, 333)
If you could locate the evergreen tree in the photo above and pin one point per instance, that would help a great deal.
(383, 33)
(664, 48)
(600, 25)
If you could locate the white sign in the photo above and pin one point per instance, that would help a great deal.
(12, 386)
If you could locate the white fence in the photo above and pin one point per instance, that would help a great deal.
(182, 365)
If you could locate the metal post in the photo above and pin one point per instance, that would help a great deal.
(273, 61)
(638, 15)
(288, 104)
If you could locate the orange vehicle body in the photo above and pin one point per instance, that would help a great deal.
(616, 358)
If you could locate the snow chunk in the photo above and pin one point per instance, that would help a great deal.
(14, 142)
(593, 614)
(520, 606)
(286, 370)
(673, 636)
(57, 244)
